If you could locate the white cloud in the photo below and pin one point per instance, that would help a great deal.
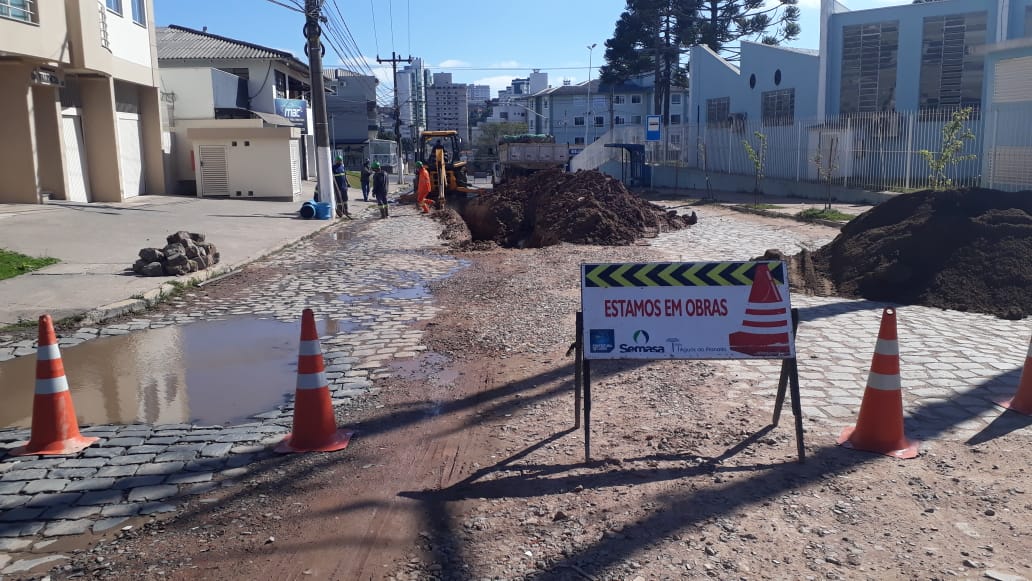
(508, 64)
(497, 83)
(452, 63)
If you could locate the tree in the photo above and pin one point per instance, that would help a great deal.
(826, 167)
(725, 22)
(954, 134)
(758, 157)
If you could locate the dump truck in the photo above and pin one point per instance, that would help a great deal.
(521, 155)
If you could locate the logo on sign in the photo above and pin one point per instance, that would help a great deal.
(641, 340)
(601, 340)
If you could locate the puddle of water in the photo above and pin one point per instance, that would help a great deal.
(211, 372)
(409, 293)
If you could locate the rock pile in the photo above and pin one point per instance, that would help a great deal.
(185, 252)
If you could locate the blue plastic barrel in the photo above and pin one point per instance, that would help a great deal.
(323, 211)
(308, 210)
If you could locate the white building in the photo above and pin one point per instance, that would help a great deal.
(447, 106)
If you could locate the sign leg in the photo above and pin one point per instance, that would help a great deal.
(797, 408)
(782, 387)
(578, 378)
(587, 410)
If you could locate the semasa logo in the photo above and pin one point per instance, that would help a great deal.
(641, 340)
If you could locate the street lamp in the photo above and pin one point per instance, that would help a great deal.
(587, 118)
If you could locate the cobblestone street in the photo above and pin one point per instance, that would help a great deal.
(371, 276)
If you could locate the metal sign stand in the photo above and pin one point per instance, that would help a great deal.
(787, 382)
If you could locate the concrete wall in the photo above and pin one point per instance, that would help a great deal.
(49, 150)
(129, 40)
(100, 134)
(18, 146)
(694, 179)
(47, 40)
(192, 91)
(184, 164)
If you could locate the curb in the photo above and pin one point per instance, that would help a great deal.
(772, 214)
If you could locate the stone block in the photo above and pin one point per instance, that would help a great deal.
(131, 459)
(20, 514)
(71, 473)
(70, 512)
(146, 493)
(30, 474)
(157, 507)
(101, 497)
(189, 477)
(83, 463)
(89, 484)
(46, 485)
(139, 481)
(59, 499)
(123, 509)
(20, 529)
(176, 456)
(105, 524)
(67, 527)
(117, 471)
(216, 450)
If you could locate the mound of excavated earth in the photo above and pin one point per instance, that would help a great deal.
(549, 207)
(968, 250)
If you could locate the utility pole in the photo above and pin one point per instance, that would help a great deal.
(323, 165)
(394, 60)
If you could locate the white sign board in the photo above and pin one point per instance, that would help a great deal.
(652, 127)
(686, 310)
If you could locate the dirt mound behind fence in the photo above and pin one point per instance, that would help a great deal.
(969, 250)
(549, 207)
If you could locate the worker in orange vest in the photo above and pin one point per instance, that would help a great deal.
(422, 187)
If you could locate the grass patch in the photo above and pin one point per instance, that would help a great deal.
(823, 214)
(13, 264)
(762, 206)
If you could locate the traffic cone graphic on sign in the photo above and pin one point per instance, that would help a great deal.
(1022, 401)
(879, 427)
(765, 328)
(315, 429)
(55, 431)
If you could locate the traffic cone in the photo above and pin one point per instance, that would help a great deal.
(766, 327)
(879, 427)
(55, 431)
(1022, 401)
(315, 429)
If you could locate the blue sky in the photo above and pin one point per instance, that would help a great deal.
(486, 42)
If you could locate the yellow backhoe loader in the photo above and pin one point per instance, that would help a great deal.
(439, 151)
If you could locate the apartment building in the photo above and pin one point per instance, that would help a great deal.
(411, 83)
(79, 88)
(447, 106)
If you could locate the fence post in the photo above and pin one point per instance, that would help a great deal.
(992, 150)
(910, 148)
(852, 143)
(799, 150)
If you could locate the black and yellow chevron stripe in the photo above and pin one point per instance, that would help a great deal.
(678, 274)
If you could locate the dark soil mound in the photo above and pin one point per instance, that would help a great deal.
(968, 250)
(587, 207)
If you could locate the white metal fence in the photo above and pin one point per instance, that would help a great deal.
(877, 152)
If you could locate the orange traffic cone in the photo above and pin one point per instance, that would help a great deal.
(765, 328)
(879, 427)
(315, 430)
(55, 430)
(1022, 401)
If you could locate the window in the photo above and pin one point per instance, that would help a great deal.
(578, 141)
(140, 12)
(675, 139)
(635, 99)
(675, 99)
(778, 107)
(504, 115)
(869, 67)
(718, 110)
(635, 119)
(619, 99)
(545, 105)
(115, 6)
(951, 72)
(675, 119)
(578, 121)
(24, 10)
(618, 120)
(600, 121)
(281, 84)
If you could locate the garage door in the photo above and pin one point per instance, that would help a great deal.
(129, 154)
(77, 187)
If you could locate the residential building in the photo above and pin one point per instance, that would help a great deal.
(79, 91)
(479, 93)
(514, 102)
(247, 103)
(351, 113)
(410, 83)
(447, 106)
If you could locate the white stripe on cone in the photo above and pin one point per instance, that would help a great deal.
(764, 330)
(311, 380)
(887, 347)
(311, 347)
(48, 352)
(767, 318)
(51, 386)
(883, 382)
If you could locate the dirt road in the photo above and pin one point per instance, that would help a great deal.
(465, 466)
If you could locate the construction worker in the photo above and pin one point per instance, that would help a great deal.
(364, 180)
(380, 189)
(340, 183)
(422, 187)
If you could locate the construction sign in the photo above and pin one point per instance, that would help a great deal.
(686, 310)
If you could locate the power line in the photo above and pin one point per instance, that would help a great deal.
(295, 6)
(376, 38)
(390, 11)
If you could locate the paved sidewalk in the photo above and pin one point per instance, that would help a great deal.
(97, 242)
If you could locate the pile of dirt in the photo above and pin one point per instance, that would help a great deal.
(549, 207)
(968, 250)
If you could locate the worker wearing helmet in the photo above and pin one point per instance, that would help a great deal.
(340, 183)
(380, 189)
(422, 187)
